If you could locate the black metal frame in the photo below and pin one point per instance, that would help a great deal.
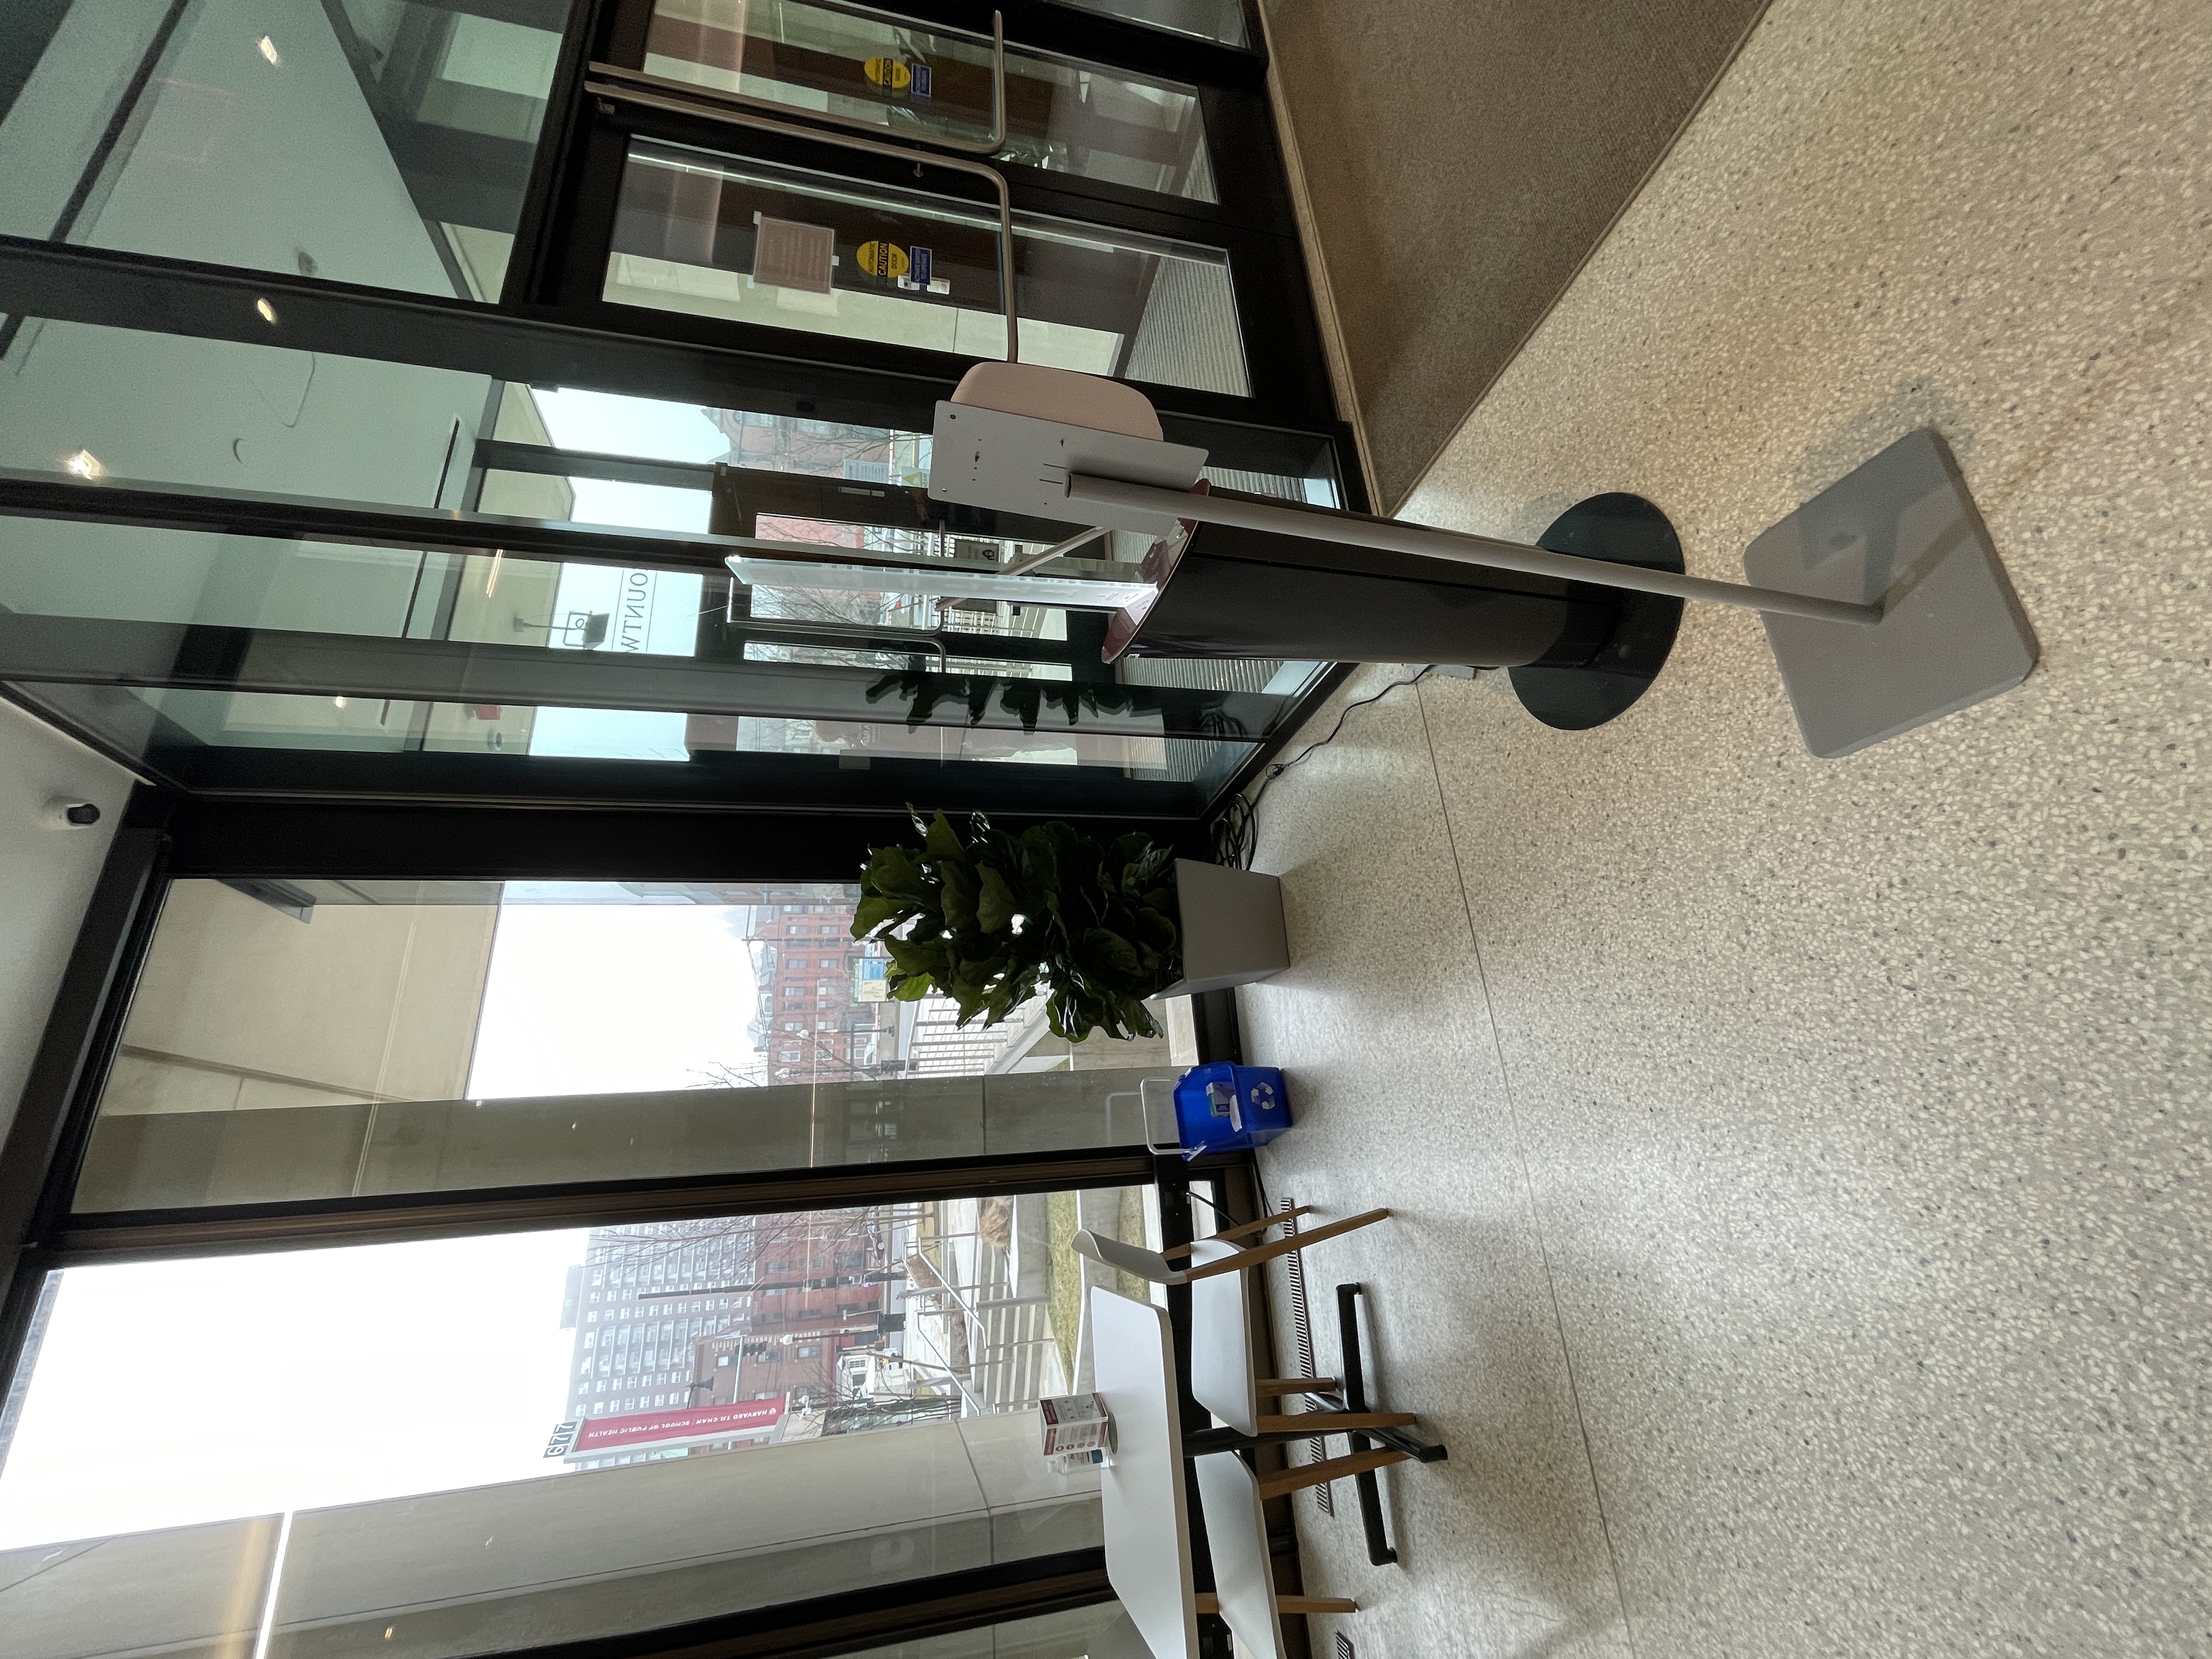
(411, 841)
(46, 1142)
(919, 1607)
(230, 1229)
(97, 652)
(65, 669)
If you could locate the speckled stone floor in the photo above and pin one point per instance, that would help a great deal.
(1804, 1237)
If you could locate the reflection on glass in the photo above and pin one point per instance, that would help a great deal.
(1209, 20)
(1062, 116)
(213, 413)
(298, 1039)
(368, 140)
(1075, 1634)
(715, 237)
(167, 409)
(446, 1447)
(173, 719)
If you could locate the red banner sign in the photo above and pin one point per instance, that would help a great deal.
(592, 1434)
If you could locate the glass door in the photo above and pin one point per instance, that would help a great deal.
(935, 85)
(820, 251)
(846, 185)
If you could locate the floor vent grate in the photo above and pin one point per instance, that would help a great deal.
(1302, 1333)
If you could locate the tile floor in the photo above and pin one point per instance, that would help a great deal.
(1804, 1237)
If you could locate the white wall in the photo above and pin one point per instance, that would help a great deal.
(47, 876)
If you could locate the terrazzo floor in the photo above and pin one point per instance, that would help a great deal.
(1803, 1238)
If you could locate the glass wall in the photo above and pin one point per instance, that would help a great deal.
(472, 1445)
(126, 403)
(834, 648)
(1076, 1634)
(379, 142)
(744, 240)
(294, 1040)
(1062, 115)
(1209, 20)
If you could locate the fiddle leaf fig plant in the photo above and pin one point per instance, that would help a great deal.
(991, 920)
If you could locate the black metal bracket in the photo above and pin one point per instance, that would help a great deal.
(1351, 1398)
(1379, 1550)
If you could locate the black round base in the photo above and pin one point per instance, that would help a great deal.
(1624, 530)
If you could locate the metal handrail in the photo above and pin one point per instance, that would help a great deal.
(682, 98)
(989, 145)
(959, 1382)
(888, 639)
(1058, 550)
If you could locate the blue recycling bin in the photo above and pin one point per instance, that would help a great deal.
(1221, 1107)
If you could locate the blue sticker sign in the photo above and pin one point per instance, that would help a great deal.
(917, 272)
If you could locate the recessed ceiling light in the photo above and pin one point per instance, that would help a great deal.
(268, 49)
(267, 311)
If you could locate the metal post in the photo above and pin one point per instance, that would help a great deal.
(1321, 524)
(1058, 550)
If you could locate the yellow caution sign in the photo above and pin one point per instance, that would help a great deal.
(887, 260)
(889, 73)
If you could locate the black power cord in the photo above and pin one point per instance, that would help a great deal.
(1236, 830)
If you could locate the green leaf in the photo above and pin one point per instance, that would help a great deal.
(1099, 931)
(994, 902)
(1138, 1018)
(1127, 852)
(1156, 930)
(896, 871)
(959, 893)
(879, 911)
(919, 955)
(943, 841)
(1111, 950)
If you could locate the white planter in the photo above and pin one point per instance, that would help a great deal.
(1232, 927)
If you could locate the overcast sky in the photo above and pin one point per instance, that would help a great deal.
(174, 1392)
(603, 422)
